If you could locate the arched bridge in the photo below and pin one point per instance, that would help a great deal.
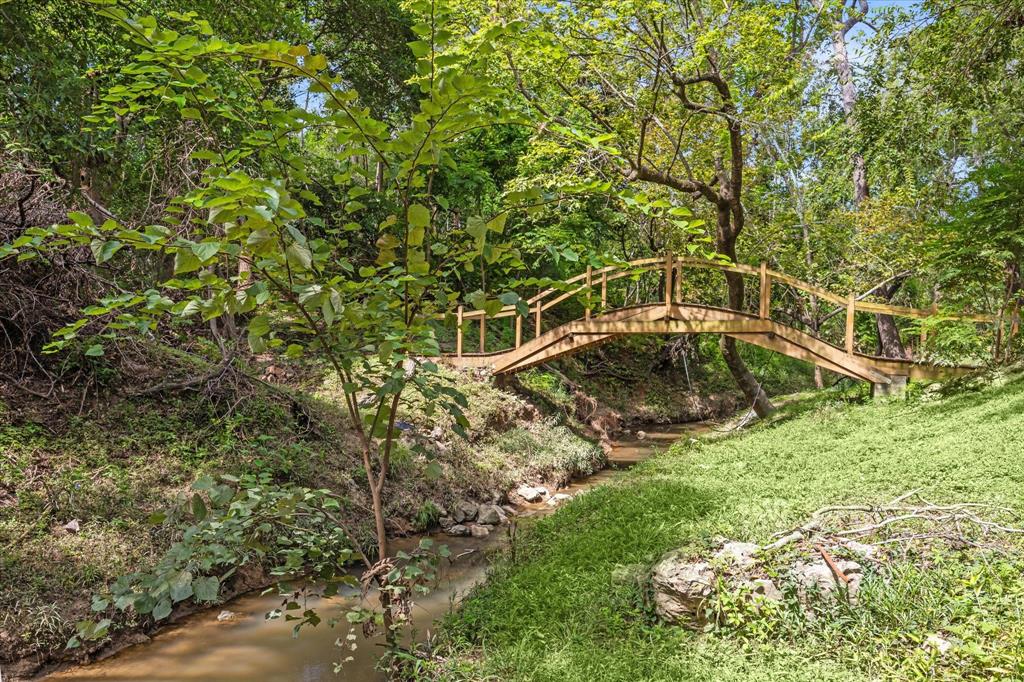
(772, 320)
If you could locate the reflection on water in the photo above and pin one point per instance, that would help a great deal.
(249, 647)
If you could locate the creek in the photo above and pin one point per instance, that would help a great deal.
(249, 647)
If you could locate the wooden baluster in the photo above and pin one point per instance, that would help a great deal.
(483, 330)
(604, 291)
(924, 331)
(669, 267)
(458, 334)
(536, 326)
(766, 292)
(590, 278)
(679, 283)
(519, 330)
(851, 302)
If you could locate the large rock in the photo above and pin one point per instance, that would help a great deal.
(464, 511)
(478, 531)
(529, 493)
(818, 576)
(446, 522)
(558, 498)
(458, 530)
(490, 515)
(681, 589)
(738, 554)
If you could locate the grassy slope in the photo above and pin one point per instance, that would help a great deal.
(561, 613)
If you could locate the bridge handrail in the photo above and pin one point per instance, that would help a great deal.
(614, 272)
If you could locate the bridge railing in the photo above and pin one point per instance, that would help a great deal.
(592, 288)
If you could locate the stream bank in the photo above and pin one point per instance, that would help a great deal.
(238, 643)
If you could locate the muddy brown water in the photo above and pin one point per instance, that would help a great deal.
(250, 647)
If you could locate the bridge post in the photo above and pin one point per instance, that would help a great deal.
(536, 328)
(590, 278)
(519, 330)
(766, 292)
(897, 388)
(483, 331)
(604, 291)
(669, 267)
(851, 313)
(458, 333)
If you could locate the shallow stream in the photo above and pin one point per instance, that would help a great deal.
(249, 647)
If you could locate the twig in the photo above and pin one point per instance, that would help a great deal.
(832, 564)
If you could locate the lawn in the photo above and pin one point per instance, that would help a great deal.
(573, 606)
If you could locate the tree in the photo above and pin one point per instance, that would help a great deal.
(251, 253)
(666, 96)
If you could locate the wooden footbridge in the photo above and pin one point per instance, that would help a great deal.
(672, 314)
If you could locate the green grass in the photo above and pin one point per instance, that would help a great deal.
(568, 610)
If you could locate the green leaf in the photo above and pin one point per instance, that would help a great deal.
(81, 219)
(103, 251)
(198, 507)
(416, 236)
(420, 48)
(497, 223)
(185, 261)
(94, 351)
(206, 250)
(181, 588)
(162, 609)
(259, 326)
(299, 255)
(206, 589)
(492, 307)
(419, 215)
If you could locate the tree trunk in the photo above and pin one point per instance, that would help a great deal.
(848, 95)
(744, 378)
(890, 345)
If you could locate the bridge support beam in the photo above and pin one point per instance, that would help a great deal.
(897, 388)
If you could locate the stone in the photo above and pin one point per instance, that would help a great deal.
(226, 615)
(558, 498)
(641, 435)
(766, 588)
(464, 511)
(529, 493)
(458, 530)
(682, 589)
(817, 575)
(896, 388)
(509, 510)
(490, 515)
(739, 554)
(938, 643)
(72, 526)
(478, 531)
(446, 522)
